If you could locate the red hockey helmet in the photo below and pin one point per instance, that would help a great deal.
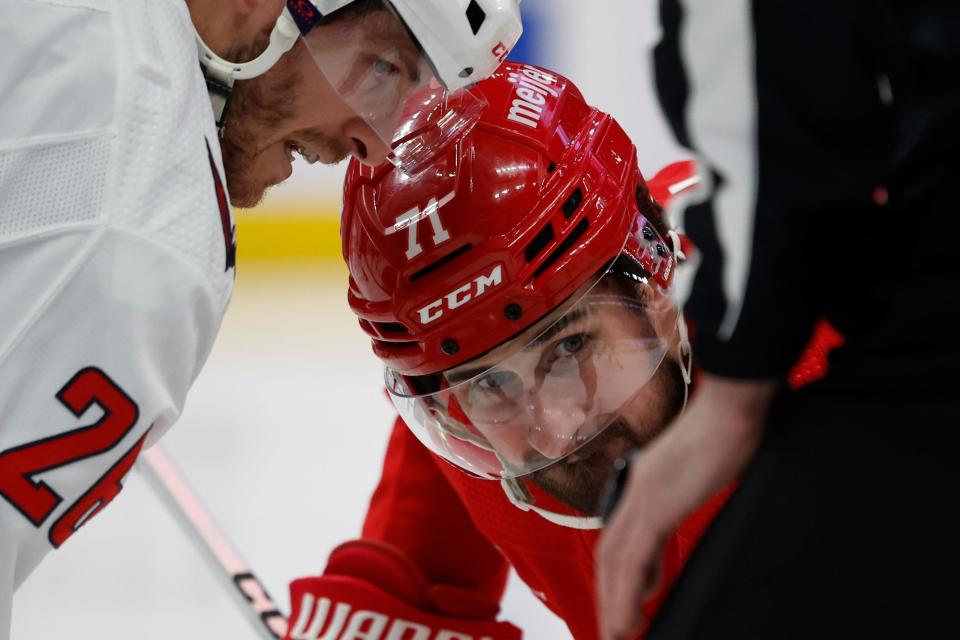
(494, 240)
(502, 227)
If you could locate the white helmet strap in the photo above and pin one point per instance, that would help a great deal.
(686, 358)
(221, 74)
(521, 499)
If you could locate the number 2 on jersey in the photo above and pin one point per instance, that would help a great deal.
(36, 500)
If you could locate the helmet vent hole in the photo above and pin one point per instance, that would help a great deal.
(570, 206)
(391, 327)
(436, 264)
(564, 246)
(395, 346)
(475, 16)
(539, 243)
(551, 167)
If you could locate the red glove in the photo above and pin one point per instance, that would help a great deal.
(372, 591)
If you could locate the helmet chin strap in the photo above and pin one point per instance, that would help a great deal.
(685, 352)
(686, 358)
(522, 499)
(221, 74)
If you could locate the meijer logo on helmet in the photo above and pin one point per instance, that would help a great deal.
(533, 87)
(461, 295)
(345, 624)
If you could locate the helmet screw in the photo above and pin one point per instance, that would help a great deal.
(647, 232)
(466, 72)
(661, 250)
(449, 346)
(513, 311)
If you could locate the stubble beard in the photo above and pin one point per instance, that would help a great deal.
(580, 485)
(257, 106)
(261, 111)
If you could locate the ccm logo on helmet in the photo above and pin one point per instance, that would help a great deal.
(345, 624)
(461, 295)
(532, 88)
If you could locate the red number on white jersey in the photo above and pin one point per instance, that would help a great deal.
(18, 465)
(96, 498)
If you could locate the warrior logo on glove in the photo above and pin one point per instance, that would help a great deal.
(372, 590)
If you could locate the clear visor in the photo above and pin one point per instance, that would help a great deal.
(538, 398)
(377, 68)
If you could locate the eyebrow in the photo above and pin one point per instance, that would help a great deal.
(560, 325)
(459, 375)
(408, 58)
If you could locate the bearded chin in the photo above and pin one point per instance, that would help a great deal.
(259, 108)
(580, 485)
(237, 161)
(249, 113)
(250, 119)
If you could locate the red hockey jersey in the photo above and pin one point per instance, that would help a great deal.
(463, 531)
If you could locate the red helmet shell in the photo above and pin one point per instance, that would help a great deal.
(500, 228)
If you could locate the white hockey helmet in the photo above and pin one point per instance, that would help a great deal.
(399, 60)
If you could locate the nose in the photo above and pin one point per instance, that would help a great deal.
(365, 145)
(551, 407)
(556, 425)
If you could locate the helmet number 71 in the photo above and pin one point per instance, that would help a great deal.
(411, 219)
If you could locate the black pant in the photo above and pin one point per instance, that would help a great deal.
(840, 528)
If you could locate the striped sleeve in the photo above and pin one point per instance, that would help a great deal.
(782, 110)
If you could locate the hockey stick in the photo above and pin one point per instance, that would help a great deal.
(246, 590)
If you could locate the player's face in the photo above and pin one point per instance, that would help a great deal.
(557, 381)
(579, 479)
(294, 110)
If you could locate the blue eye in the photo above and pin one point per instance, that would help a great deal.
(383, 67)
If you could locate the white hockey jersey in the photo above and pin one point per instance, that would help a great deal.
(116, 255)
